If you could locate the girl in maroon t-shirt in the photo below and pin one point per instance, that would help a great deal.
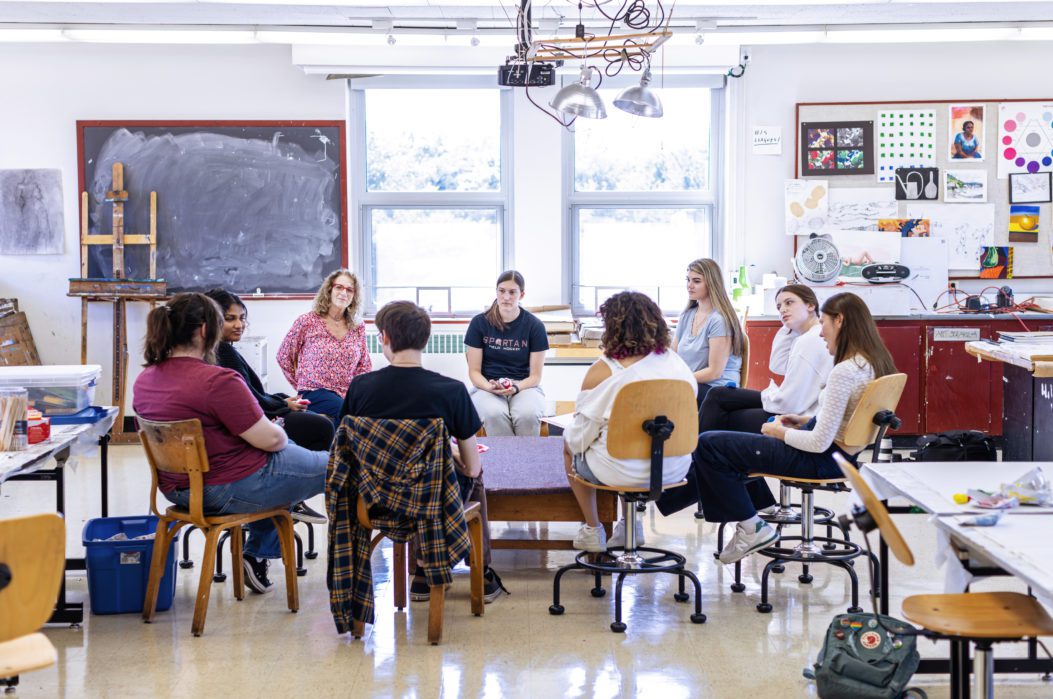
(252, 465)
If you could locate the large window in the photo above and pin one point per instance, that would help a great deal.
(642, 197)
(430, 185)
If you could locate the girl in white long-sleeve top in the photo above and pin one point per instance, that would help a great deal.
(793, 444)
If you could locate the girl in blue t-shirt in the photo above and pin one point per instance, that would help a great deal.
(708, 336)
(506, 352)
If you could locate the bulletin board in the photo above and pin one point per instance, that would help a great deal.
(1024, 147)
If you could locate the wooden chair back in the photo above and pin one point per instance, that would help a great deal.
(744, 372)
(880, 394)
(877, 512)
(639, 401)
(176, 447)
(33, 551)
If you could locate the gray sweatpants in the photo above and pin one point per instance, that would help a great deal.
(518, 415)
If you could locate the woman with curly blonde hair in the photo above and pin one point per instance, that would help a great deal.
(326, 348)
(636, 347)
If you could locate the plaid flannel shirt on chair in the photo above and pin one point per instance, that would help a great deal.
(405, 473)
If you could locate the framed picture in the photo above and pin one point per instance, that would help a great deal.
(837, 148)
(917, 184)
(966, 133)
(1030, 188)
(964, 186)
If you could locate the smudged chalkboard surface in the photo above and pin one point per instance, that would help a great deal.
(247, 207)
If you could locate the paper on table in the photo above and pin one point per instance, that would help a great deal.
(967, 229)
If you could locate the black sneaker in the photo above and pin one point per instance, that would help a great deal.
(256, 573)
(302, 513)
(492, 585)
(419, 589)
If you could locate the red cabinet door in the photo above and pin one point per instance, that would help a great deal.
(904, 344)
(959, 389)
(761, 333)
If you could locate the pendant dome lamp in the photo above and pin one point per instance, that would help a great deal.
(579, 99)
(640, 100)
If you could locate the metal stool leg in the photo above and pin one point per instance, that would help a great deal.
(310, 553)
(983, 670)
(300, 570)
(219, 576)
(185, 562)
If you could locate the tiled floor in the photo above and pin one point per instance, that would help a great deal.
(257, 648)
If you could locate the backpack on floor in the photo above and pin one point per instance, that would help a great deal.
(956, 445)
(861, 660)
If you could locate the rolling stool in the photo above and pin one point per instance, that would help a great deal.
(219, 576)
(638, 428)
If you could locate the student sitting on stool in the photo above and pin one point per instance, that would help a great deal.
(793, 445)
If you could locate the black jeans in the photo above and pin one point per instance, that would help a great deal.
(310, 430)
(724, 459)
(737, 410)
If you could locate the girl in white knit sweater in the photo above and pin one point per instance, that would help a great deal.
(793, 444)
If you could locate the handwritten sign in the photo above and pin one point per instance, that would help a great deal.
(767, 140)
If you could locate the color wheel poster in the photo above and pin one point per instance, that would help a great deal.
(1025, 137)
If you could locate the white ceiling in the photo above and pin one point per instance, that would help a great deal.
(499, 13)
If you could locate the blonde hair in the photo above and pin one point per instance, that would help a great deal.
(718, 295)
(324, 296)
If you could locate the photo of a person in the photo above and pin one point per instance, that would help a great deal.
(967, 125)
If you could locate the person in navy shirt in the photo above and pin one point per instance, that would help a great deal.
(506, 352)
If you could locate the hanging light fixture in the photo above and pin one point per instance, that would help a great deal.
(640, 100)
(580, 99)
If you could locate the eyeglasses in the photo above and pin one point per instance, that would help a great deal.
(341, 287)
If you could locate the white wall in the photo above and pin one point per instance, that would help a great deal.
(780, 76)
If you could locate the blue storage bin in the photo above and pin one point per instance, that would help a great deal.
(119, 570)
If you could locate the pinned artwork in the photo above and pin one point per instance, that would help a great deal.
(31, 220)
(859, 208)
(906, 227)
(806, 206)
(1025, 137)
(1028, 188)
(967, 229)
(964, 186)
(905, 139)
(860, 248)
(837, 148)
(917, 184)
(1023, 223)
(966, 132)
(996, 262)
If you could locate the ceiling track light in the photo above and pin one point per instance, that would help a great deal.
(580, 99)
(391, 39)
(640, 100)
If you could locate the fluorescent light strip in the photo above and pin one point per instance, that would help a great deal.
(922, 35)
(30, 35)
(160, 36)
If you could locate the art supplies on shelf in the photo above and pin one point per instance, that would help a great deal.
(14, 408)
(1027, 338)
(55, 389)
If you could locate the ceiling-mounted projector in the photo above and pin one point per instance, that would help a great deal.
(518, 73)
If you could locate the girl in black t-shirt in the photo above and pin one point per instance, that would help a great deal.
(506, 353)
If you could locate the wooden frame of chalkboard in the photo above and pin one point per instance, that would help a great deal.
(998, 195)
(259, 207)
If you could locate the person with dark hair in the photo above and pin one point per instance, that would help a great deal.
(506, 353)
(252, 464)
(791, 444)
(326, 348)
(311, 431)
(965, 144)
(800, 356)
(405, 390)
(709, 337)
(636, 347)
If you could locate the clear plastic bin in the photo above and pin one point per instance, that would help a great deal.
(55, 389)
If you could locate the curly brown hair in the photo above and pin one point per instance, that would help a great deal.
(325, 295)
(633, 325)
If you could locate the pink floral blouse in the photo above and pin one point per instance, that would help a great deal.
(311, 358)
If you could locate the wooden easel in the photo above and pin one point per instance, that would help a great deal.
(117, 289)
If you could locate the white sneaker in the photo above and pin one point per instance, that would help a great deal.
(745, 542)
(591, 539)
(618, 535)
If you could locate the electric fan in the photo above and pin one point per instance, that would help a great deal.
(817, 260)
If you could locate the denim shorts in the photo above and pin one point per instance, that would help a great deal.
(581, 467)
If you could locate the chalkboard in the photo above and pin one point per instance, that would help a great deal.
(244, 205)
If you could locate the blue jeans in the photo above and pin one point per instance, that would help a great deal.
(324, 402)
(724, 459)
(289, 476)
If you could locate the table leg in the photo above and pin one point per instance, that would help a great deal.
(104, 465)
